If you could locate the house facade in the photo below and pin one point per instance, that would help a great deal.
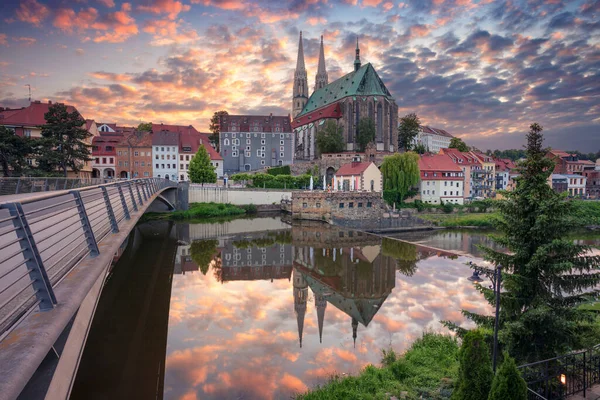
(433, 139)
(488, 173)
(472, 170)
(442, 181)
(134, 156)
(358, 177)
(189, 143)
(165, 154)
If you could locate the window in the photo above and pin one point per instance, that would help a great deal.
(127, 163)
(262, 162)
(359, 205)
(187, 166)
(281, 155)
(112, 160)
(162, 156)
(120, 153)
(156, 157)
(136, 154)
(445, 183)
(163, 166)
(341, 205)
(97, 161)
(281, 142)
(318, 205)
(248, 141)
(444, 193)
(248, 154)
(351, 205)
(226, 142)
(304, 205)
(156, 166)
(136, 163)
(187, 158)
(162, 149)
(28, 133)
(262, 135)
(145, 173)
(263, 141)
(143, 164)
(103, 160)
(369, 204)
(180, 166)
(372, 185)
(181, 157)
(234, 154)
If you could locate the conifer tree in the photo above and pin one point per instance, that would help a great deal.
(14, 151)
(508, 382)
(475, 369)
(201, 170)
(545, 275)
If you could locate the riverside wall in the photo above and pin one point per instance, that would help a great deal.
(258, 197)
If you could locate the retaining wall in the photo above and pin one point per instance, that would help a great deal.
(237, 196)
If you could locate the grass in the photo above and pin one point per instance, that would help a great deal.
(427, 370)
(457, 220)
(206, 210)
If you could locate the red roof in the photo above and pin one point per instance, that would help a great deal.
(265, 123)
(195, 140)
(438, 163)
(28, 116)
(435, 131)
(331, 111)
(460, 157)
(355, 168)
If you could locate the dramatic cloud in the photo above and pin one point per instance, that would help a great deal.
(32, 12)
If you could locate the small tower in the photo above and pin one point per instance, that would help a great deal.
(321, 305)
(357, 59)
(300, 298)
(321, 79)
(300, 93)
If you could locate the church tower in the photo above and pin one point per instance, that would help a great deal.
(321, 79)
(300, 97)
(321, 305)
(300, 298)
(357, 59)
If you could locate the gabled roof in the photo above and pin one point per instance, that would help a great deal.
(195, 140)
(462, 158)
(438, 162)
(363, 82)
(136, 139)
(33, 115)
(355, 168)
(435, 131)
(165, 138)
(266, 123)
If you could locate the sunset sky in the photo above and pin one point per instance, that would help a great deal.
(483, 70)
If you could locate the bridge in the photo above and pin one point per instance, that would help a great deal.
(56, 249)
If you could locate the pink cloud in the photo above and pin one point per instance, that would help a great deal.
(371, 3)
(316, 21)
(33, 12)
(26, 40)
(170, 7)
(107, 3)
(388, 6)
(68, 20)
(3, 40)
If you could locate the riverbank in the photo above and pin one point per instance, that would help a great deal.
(203, 210)
(427, 370)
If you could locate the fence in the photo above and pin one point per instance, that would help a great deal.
(43, 238)
(20, 185)
(560, 377)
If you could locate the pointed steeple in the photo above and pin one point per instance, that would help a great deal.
(300, 321)
(300, 92)
(354, 326)
(300, 297)
(321, 79)
(321, 305)
(300, 60)
(357, 59)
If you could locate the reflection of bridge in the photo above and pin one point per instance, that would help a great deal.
(55, 252)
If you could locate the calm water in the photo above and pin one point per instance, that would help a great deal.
(257, 309)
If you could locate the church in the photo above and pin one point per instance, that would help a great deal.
(356, 95)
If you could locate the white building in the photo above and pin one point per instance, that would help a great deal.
(575, 183)
(165, 155)
(189, 143)
(358, 176)
(433, 139)
(441, 180)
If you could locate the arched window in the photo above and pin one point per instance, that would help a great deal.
(357, 119)
(371, 111)
(372, 185)
(391, 115)
(379, 123)
(226, 142)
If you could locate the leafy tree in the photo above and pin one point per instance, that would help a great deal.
(475, 369)
(14, 151)
(215, 128)
(63, 143)
(202, 252)
(420, 148)
(201, 170)
(408, 131)
(330, 139)
(400, 172)
(458, 144)
(144, 127)
(545, 275)
(508, 382)
(366, 133)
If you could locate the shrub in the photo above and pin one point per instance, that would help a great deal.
(475, 370)
(447, 207)
(508, 382)
(250, 208)
(283, 170)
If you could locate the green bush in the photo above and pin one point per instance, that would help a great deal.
(475, 370)
(249, 208)
(283, 170)
(508, 382)
(207, 210)
(447, 207)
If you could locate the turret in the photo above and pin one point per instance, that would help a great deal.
(321, 79)
(300, 92)
(357, 59)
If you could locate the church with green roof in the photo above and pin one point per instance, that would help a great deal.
(357, 95)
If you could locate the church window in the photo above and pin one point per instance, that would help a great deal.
(379, 123)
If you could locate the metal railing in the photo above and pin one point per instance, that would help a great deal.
(9, 186)
(564, 376)
(44, 237)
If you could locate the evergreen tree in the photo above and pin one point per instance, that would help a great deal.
(545, 275)
(508, 382)
(366, 133)
(400, 173)
(63, 143)
(458, 144)
(14, 151)
(144, 127)
(475, 369)
(330, 139)
(201, 170)
(409, 128)
(215, 128)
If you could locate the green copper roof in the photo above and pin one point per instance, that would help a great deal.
(364, 82)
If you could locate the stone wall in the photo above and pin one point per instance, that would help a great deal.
(332, 206)
(237, 196)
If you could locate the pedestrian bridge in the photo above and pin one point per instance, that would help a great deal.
(55, 252)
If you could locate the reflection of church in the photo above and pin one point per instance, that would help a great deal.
(356, 280)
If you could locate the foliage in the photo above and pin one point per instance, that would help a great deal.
(366, 133)
(420, 148)
(584, 213)
(283, 170)
(400, 172)
(461, 220)
(202, 252)
(475, 371)
(249, 208)
(215, 128)
(447, 207)
(207, 210)
(201, 170)
(408, 131)
(405, 253)
(508, 382)
(545, 275)
(144, 127)
(271, 238)
(63, 141)
(14, 151)
(427, 369)
(330, 138)
(274, 182)
(458, 144)
(513, 154)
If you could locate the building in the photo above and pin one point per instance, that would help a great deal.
(358, 176)
(592, 186)
(568, 163)
(442, 181)
(189, 143)
(252, 142)
(28, 122)
(165, 154)
(104, 153)
(356, 95)
(576, 184)
(134, 156)
(560, 183)
(504, 169)
(433, 139)
(472, 170)
(488, 172)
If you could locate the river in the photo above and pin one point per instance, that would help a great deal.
(259, 309)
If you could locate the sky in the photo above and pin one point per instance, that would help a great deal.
(483, 70)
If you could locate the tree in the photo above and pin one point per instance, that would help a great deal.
(400, 173)
(545, 275)
(458, 144)
(409, 128)
(420, 148)
(144, 127)
(508, 382)
(14, 151)
(475, 369)
(330, 139)
(215, 128)
(202, 252)
(201, 170)
(366, 133)
(63, 143)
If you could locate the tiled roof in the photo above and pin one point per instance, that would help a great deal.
(265, 123)
(33, 115)
(504, 164)
(355, 168)
(435, 131)
(136, 139)
(438, 162)
(460, 157)
(363, 82)
(195, 140)
(165, 138)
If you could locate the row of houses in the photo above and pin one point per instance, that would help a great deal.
(580, 178)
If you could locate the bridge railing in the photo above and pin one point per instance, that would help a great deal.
(42, 238)
(20, 185)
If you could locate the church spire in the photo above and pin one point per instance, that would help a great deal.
(357, 59)
(300, 92)
(321, 79)
(354, 326)
(321, 305)
(300, 60)
(300, 297)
